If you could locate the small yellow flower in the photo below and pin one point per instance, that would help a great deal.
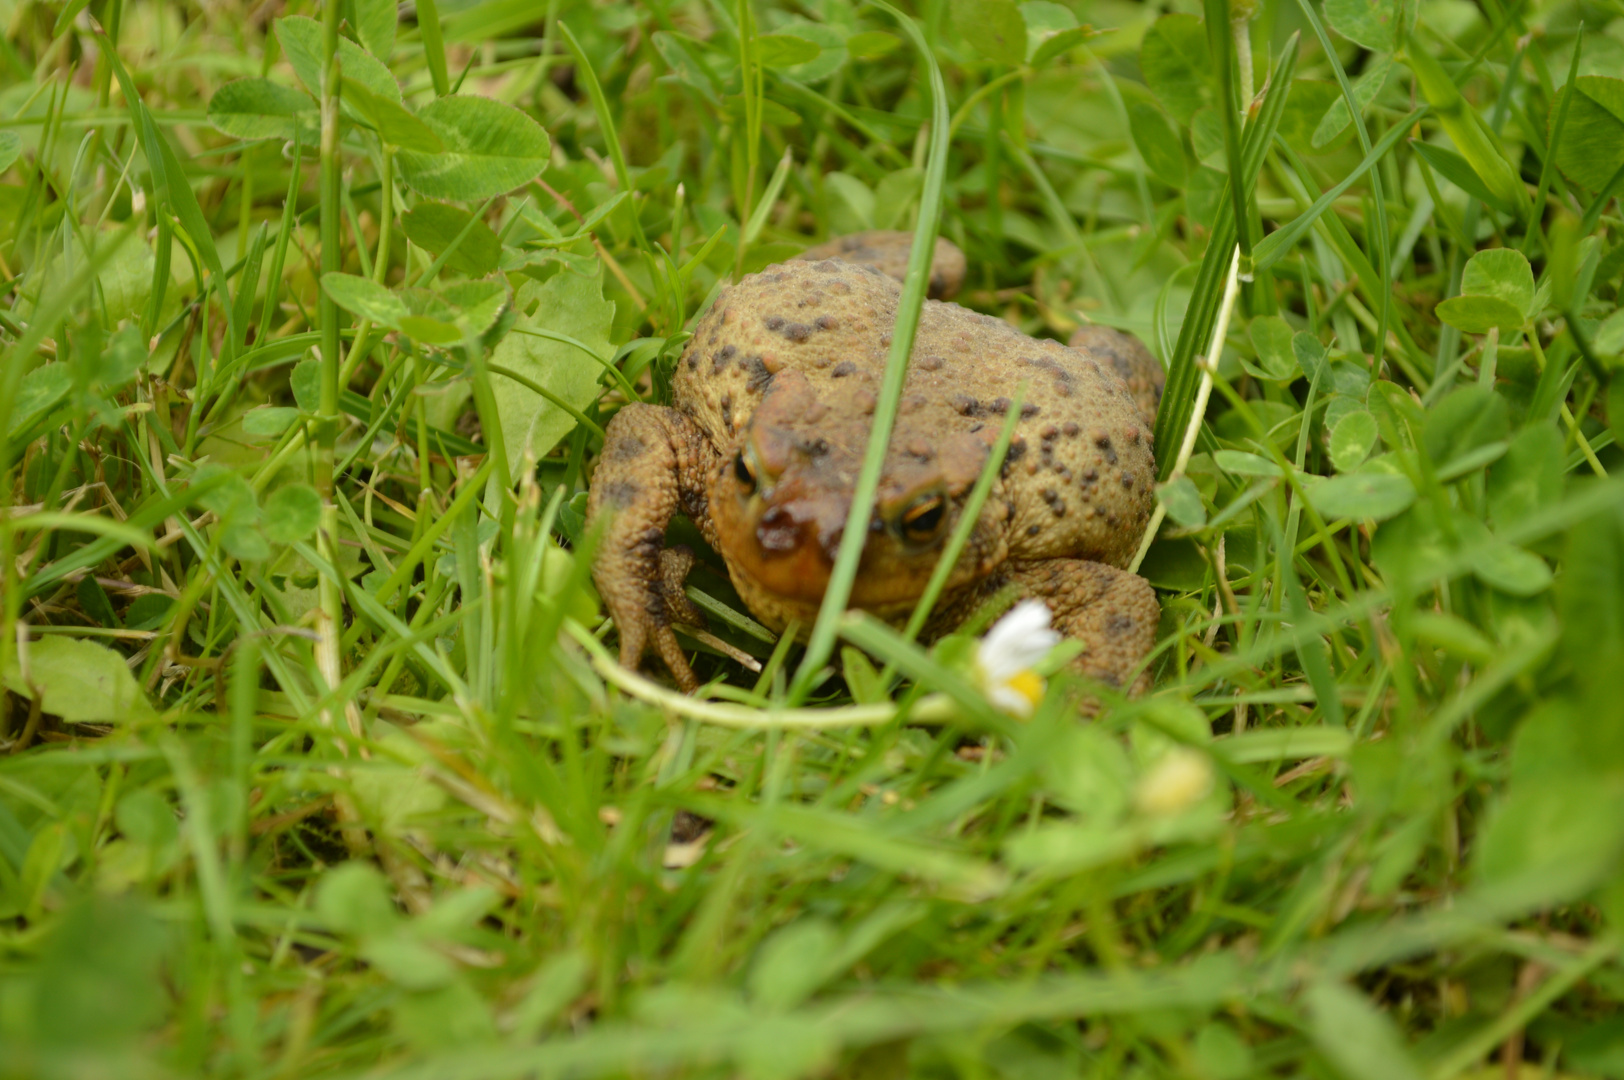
(1179, 780)
(1006, 656)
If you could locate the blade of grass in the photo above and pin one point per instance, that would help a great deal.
(844, 573)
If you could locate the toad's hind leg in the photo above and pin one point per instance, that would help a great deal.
(653, 463)
(1112, 612)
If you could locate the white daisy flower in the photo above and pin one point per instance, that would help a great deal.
(1006, 656)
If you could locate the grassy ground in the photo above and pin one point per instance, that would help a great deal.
(318, 765)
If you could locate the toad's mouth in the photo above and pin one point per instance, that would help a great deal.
(788, 549)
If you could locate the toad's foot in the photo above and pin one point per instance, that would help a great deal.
(653, 463)
(1112, 612)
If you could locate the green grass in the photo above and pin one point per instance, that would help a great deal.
(314, 759)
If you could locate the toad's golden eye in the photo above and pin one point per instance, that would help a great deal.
(742, 473)
(923, 519)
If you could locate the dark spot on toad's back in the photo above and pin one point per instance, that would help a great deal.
(842, 369)
(774, 323)
(757, 375)
(796, 331)
(621, 493)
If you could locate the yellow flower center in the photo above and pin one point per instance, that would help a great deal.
(1028, 684)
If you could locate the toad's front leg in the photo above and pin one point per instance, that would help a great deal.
(654, 462)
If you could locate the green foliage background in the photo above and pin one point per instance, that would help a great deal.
(317, 766)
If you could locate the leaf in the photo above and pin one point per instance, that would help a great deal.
(831, 55)
(1175, 61)
(292, 513)
(1358, 1039)
(572, 305)
(1592, 147)
(785, 50)
(1271, 337)
(353, 898)
(1157, 141)
(1502, 273)
(872, 44)
(1050, 30)
(792, 963)
(40, 391)
(1454, 168)
(300, 37)
(1309, 353)
(1242, 463)
(1378, 25)
(1365, 88)
(1183, 502)
(1365, 496)
(894, 194)
(365, 298)
(1529, 478)
(994, 28)
(1352, 440)
(476, 304)
(305, 382)
(376, 22)
(80, 681)
(491, 148)
(1466, 418)
(392, 121)
(1479, 314)
(433, 227)
(268, 421)
(261, 109)
(1511, 569)
(11, 148)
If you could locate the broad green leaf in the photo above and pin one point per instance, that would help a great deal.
(1591, 594)
(894, 195)
(392, 121)
(852, 206)
(872, 44)
(1305, 108)
(1176, 63)
(1183, 502)
(40, 391)
(11, 148)
(491, 148)
(771, 111)
(305, 382)
(792, 963)
(1242, 463)
(291, 513)
(1361, 1041)
(1366, 496)
(1454, 168)
(261, 109)
(1479, 314)
(1053, 45)
(1378, 25)
(1157, 141)
(1049, 24)
(300, 37)
(78, 680)
(433, 227)
(1615, 407)
(1309, 353)
(375, 24)
(364, 298)
(831, 55)
(354, 898)
(476, 304)
(1466, 418)
(785, 50)
(1352, 439)
(268, 421)
(572, 305)
(1503, 273)
(1511, 569)
(1365, 88)
(1529, 478)
(1271, 337)
(1592, 147)
(993, 28)
(405, 961)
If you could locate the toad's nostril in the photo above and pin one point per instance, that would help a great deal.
(779, 531)
(829, 540)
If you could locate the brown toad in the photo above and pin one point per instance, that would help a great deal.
(772, 405)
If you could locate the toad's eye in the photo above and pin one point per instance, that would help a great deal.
(742, 473)
(923, 519)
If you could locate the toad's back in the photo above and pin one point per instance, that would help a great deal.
(1080, 472)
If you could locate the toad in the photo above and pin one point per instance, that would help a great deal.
(772, 404)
